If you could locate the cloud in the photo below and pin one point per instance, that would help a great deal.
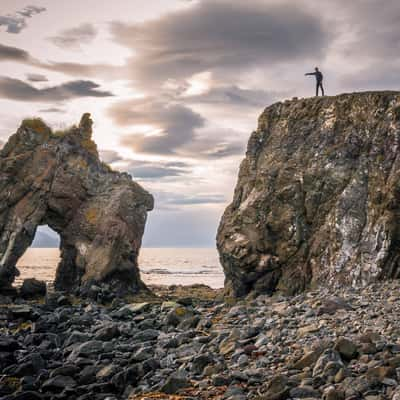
(17, 22)
(234, 95)
(73, 38)
(174, 130)
(29, 11)
(209, 148)
(175, 124)
(146, 170)
(374, 29)
(222, 37)
(52, 110)
(143, 169)
(110, 156)
(171, 201)
(181, 200)
(16, 89)
(36, 78)
(9, 53)
(107, 71)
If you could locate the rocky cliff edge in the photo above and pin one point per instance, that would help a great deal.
(318, 197)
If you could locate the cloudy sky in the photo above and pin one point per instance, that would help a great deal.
(175, 87)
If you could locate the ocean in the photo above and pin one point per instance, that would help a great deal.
(158, 266)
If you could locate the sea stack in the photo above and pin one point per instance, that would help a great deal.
(318, 197)
(57, 179)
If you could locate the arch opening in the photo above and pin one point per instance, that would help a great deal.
(41, 258)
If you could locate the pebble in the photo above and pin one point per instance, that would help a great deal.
(329, 343)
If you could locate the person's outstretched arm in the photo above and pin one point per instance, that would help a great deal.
(310, 73)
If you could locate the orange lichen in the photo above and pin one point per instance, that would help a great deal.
(37, 125)
(90, 146)
(92, 215)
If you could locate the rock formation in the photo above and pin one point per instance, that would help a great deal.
(318, 197)
(56, 178)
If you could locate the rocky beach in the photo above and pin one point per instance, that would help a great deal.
(186, 344)
(309, 248)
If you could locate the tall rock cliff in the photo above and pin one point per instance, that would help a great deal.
(56, 178)
(318, 197)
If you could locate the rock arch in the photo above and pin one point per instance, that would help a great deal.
(57, 179)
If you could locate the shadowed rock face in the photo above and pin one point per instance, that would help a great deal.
(57, 179)
(318, 197)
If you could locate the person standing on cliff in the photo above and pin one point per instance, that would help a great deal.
(318, 76)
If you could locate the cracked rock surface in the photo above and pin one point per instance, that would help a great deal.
(317, 198)
(57, 179)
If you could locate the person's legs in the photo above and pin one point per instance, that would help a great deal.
(316, 90)
(322, 89)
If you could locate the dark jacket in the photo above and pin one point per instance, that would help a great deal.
(318, 75)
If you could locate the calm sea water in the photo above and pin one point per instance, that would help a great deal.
(161, 266)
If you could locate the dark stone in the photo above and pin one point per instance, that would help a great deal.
(173, 384)
(30, 365)
(28, 395)
(128, 376)
(88, 375)
(146, 335)
(66, 370)
(8, 344)
(32, 288)
(59, 383)
(221, 380)
(107, 333)
(200, 362)
(23, 311)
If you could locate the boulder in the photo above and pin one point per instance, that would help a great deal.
(317, 197)
(57, 179)
(32, 288)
